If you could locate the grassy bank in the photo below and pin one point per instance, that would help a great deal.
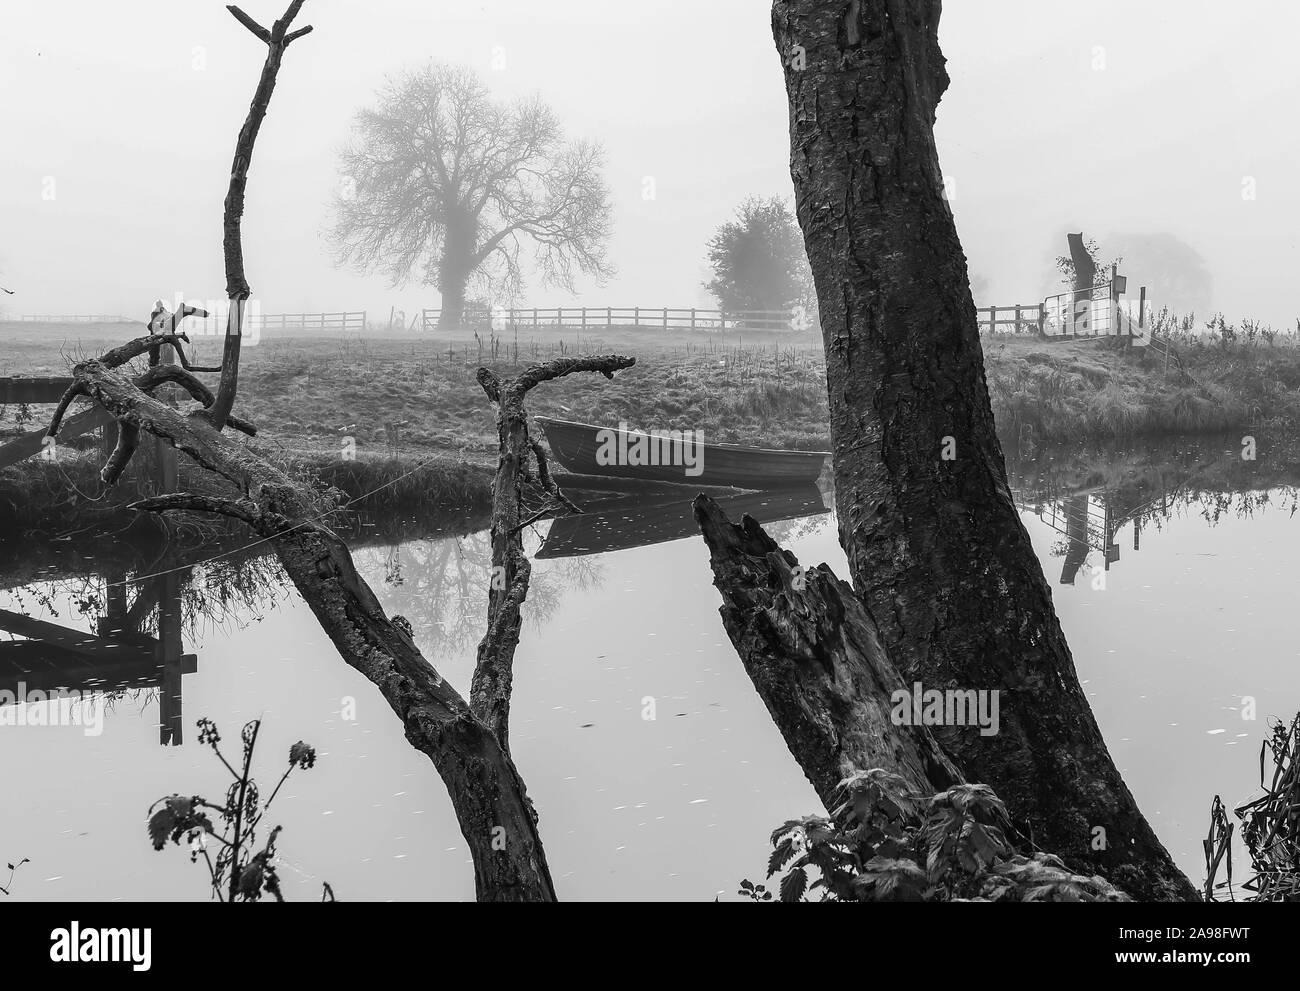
(308, 394)
(42, 498)
(1086, 391)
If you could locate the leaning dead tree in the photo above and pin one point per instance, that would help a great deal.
(511, 570)
(935, 545)
(814, 655)
(490, 800)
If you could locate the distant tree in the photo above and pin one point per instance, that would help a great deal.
(758, 259)
(444, 184)
(1173, 271)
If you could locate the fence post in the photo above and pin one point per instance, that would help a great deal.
(993, 320)
(692, 318)
(1016, 329)
(609, 316)
(665, 318)
(636, 317)
(584, 318)
(165, 469)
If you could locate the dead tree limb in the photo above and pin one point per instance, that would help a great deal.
(277, 40)
(815, 657)
(489, 797)
(164, 322)
(935, 545)
(511, 570)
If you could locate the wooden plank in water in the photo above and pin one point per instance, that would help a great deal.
(42, 667)
(76, 641)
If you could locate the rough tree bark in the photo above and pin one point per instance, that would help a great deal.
(491, 803)
(511, 570)
(814, 655)
(935, 546)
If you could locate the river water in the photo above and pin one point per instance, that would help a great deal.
(656, 770)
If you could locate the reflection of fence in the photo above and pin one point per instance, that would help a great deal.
(346, 322)
(625, 317)
(118, 656)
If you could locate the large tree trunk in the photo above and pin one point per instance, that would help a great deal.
(935, 546)
(452, 314)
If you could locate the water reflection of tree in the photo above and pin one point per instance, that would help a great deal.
(439, 586)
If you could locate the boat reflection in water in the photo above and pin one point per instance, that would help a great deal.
(626, 522)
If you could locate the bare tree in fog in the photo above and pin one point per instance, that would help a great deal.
(445, 184)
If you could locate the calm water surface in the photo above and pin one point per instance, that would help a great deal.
(1168, 639)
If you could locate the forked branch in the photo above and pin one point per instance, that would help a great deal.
(237, 289)
(494, 671)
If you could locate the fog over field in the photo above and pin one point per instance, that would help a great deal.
(631, 452)
(1143, 124)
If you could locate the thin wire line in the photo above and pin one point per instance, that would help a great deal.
(264, 540)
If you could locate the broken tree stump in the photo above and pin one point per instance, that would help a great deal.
(814, 655)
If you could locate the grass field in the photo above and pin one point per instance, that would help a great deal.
(308, 393)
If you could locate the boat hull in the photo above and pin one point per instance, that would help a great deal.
(578, 447)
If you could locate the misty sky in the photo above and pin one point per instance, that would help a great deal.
(1137, 121)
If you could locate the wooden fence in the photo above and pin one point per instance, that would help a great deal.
(346, 322)
(1020, 318)
(623, 317)
(77, 318)
(47, 392)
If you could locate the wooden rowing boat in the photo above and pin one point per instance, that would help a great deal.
(585, 449)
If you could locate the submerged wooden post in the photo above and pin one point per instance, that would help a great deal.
(169, 655)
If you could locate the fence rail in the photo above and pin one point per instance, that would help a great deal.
(1019, 317)
(344, 321)
(75, 318)
(624, 317)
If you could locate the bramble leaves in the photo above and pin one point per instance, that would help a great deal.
(885, 843)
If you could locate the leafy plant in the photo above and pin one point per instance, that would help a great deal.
(240, 871)
(13, 869)
(885, 843)
(1270, 826)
